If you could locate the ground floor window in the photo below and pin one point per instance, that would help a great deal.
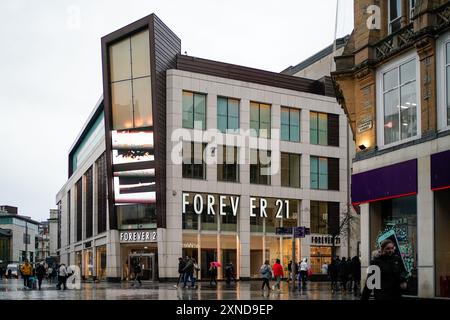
(320, 259)
(442, 242)
(88, 267)
(101, 262)
(396, 219)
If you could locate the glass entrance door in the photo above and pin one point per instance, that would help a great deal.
(147, 264)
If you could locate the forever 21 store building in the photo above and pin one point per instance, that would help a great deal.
(146, 180)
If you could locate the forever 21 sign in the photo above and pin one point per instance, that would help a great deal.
(138, 236)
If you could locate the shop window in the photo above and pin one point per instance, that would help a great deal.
(398, 216)
(442, 242)
(320, 256)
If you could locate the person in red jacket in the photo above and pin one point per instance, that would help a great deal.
(277, 273)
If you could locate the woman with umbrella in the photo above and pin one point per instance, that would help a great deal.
(213, 272)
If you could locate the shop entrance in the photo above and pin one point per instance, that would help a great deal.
(147, 263)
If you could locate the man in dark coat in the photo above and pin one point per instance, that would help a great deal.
(40, 273)
(392, 279)
(181, 265)
(356, 275)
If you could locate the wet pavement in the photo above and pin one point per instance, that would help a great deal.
(12, 289)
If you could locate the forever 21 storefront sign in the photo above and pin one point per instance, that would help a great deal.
(258, 204)
(138, 236)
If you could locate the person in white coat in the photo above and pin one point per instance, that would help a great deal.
(62, 277)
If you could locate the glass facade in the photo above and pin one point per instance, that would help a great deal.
(194, 166)
(130, 82)
(260, 167)
(227, 164)
(319, 217)
(136, 216)
(100, 262)
(400, 103)
(290, 170)
(260, 120)
(319, 173)
(290, 124)
(318, 128)
(194, 110)
(227, 115)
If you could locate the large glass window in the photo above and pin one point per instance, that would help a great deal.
(130, 82)
(227, 115)
(193, 162)
(227, 164)
(260, 122)
(319, 128)
(319, 217)
(290, 124)
(136, 216)
(194, 110)
(319, 173)
(89, 203)
(400, 103)
(447, 81)
(395, 14)
(260, 167)
(290, 170)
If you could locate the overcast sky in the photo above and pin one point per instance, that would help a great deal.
(50, 68)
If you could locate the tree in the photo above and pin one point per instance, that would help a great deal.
(340, 228)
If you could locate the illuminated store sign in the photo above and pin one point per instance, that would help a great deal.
(258, 206)
(324, 240)
(138, 236)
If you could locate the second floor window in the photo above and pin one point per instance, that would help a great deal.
(194, 110)
(193, 163)
(227, 164)
(260, 120)
(259, 167)
(290, 124)
(324, 173)
(324, 129)
(227, 114)
(324, 217)
(395, 15)
(290, 170)
(399, 102)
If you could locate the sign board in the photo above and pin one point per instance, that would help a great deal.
(284, 231)
(299, 232)
(365, 124)
(133, 236)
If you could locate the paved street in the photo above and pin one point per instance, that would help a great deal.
(13, 289)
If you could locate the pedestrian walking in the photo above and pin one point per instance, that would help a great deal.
(356, 275)
(229, 273)
(266, 274)
(278, 274)
(334, 275)
(137, 274)
(212, 273)
(289, 266)
(181, 265)
(188, 271)
(62, 277)
(40, 273)
(27, 271)
(343, 274)
(2, 272)
(303, 274)
(392, 271)
(195, 273)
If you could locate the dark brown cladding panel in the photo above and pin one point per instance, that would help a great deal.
(164, 46)
(333, 174)
(167, 46)
(240, 73)
(333, 130)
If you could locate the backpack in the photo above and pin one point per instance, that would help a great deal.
(264, 269)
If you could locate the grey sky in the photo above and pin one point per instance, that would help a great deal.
(50, 67)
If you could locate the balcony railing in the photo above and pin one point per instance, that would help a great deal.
(443, 15)
(394, 42)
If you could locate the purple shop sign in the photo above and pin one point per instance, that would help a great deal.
(440, 170)
(389, 182)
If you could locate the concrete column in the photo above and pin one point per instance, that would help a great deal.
(113, 264)
(244, 236)
(305, 220)
(365, 239)
(425, 230)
